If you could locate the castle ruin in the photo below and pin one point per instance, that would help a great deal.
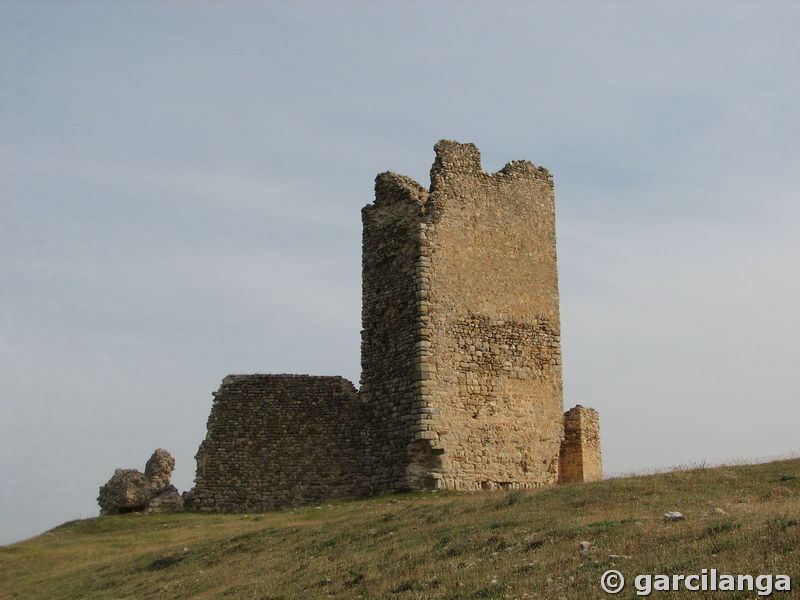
(460, 356)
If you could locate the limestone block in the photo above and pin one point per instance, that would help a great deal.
(159, 468)
(128, 490)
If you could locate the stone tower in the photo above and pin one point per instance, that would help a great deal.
(460, 356)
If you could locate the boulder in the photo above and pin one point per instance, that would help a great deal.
(128, 490)
(166, 500)
(159, 468)
(189, 500)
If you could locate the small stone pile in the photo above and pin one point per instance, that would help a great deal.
(129, 490)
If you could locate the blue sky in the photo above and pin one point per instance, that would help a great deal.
(180, 194)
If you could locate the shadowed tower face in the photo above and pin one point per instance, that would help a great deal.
(461, 357)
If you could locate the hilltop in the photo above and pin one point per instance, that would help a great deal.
(449, 545)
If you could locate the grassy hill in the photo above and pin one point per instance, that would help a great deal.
(738, 520)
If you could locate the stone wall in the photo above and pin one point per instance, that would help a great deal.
(278, 440)
(580, 451)
(391, 319)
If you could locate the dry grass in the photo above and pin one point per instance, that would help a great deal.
(447, 545)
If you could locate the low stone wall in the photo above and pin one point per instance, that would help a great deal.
(580, 458)
(280, 440)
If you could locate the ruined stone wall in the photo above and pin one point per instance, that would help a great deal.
(580, 451)
(460, 355)
(278, 440)
(390, 338)
(468, 308)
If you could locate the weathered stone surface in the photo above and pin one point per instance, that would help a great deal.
(167, 499)
(159, 468)
(580, 458)
(460, 355)
(277, 440)
(128, 490)
(189, 498)
(673, 515)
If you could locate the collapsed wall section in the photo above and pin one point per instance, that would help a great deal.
(580, 458)
(279, 440)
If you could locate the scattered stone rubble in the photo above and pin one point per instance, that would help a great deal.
(129, 490)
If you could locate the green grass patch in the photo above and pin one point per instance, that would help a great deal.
(449, 546)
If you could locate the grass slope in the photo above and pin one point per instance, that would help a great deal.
(741, 519)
